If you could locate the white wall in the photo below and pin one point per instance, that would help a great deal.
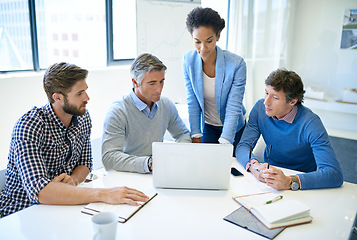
(17, 95)
(315, 51)
(20, 92)
(316, 56)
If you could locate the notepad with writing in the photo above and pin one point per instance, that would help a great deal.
(276, 214)
(124, 211)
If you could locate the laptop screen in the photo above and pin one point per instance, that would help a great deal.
(191, 166)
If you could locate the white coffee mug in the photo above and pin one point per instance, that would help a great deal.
(105, 225)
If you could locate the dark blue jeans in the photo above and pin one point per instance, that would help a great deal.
(211, 134)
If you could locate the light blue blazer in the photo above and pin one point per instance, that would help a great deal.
(230, 82)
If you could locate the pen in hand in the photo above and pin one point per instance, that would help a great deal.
(250, 156)
(271, 146)
(275, 199)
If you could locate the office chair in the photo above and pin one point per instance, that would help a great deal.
(353, 234)
(259, 149)
(2, 179)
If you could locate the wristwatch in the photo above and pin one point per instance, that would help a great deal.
(150, 163)
(295, 183)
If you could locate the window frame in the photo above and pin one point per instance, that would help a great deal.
(33, 31)
(34, 39)
(109, 31)
(110, 61)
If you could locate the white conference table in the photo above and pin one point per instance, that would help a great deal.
(186, 214)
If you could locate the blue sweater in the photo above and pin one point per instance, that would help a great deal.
(302, 145)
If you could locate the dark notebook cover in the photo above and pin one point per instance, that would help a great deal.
(243, 218)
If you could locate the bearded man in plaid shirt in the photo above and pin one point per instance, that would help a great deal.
(50, 150)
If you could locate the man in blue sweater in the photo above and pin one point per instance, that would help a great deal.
(295, 138)
(139, 119)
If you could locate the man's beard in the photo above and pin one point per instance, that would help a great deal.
(73, 110)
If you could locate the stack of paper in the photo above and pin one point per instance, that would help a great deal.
(349, 95)
(314, 94)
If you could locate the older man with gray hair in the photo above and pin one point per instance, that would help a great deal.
(139, 119)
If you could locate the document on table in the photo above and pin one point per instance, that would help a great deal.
(248, 186)
(124, 211)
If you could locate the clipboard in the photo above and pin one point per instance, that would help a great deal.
(245, 219)
(124, 211)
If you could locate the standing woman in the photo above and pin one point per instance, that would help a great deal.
(215, 82)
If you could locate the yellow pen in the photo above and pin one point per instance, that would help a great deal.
(275, 199)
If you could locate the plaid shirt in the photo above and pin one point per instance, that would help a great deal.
(42, 148)
(289, 118)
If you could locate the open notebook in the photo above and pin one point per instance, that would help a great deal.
(275, 214)
(124, 211)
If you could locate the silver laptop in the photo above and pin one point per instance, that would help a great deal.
(191, 165)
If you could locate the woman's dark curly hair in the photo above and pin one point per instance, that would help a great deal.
(206, 17)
